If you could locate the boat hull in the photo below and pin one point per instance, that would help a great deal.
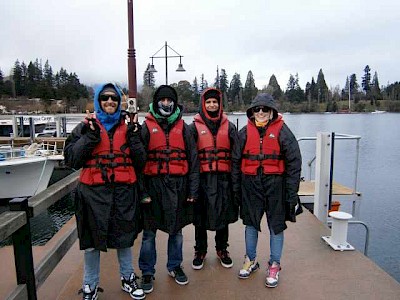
(25, 176)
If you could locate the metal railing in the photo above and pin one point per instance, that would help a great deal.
(338, 136)
(16, 223)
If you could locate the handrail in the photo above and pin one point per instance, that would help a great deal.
(366, 245)
(338, 136)
(10, 222)
(15, 223)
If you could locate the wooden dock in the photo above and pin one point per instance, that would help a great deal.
(310, 270)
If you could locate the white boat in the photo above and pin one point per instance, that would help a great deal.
(26, 171)
(378, 111)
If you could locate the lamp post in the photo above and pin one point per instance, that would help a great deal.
(166, 56)
(132, 85)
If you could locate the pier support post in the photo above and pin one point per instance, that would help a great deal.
(23, 255)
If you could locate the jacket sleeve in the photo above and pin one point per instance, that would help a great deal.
(193, 160)
(292, 156)
(79, 146)
(138, 151)
(145, 137)
(235, 157)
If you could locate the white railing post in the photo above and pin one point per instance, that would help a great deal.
(322, 175)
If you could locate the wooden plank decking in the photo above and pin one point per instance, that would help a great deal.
(310, 270)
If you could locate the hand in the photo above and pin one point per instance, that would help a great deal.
(133, 125)
(191, 199)
(92, 129)
(290, 211)
(91, 117)
(146, 200)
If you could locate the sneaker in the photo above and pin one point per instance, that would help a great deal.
(198, 261)
(147, 283)
(89, 294)
(130, 286)
(272, 275)
(179, 275)
(249, 266)
(224, 258)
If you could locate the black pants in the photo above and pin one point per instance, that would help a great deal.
(221, 239)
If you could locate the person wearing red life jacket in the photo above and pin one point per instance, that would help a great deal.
(169, 185)
(110, 155)
(271, 167)
(219, 156)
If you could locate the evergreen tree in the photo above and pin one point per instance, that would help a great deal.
(322, 88)
(223, 82)
(1, 83)
(195, 92)
(313, 90)
(294, 93)
(375, 89)
(274, 88)
(18, 80)
(250, 89)
(354, 88)
(216, 80)
(366, 81)
(203, 83)
(48, 82)
(235, 87)
(148, 77)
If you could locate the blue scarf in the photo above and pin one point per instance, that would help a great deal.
(108, 121)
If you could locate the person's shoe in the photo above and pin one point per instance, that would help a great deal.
(224, 258)
(179, 275)
(249, 266)
(147, 283)
(89, 294)
(272, 275)
(130, 286)
(198, 261)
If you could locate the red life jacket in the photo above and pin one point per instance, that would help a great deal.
(265, 152)
(111, 161)
(214, 151)
(166, 152)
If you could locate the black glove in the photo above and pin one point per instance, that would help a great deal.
(290, 212)
(292, 209)
(93, 134)
(133, 130)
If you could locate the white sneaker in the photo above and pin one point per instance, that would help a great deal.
(272, 275)
(249, 266)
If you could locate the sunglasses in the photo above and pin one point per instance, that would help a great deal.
(106, 97)
(263, 108)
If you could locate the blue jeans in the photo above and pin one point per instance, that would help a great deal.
(148, 254)
(92, 265)
(275, 243)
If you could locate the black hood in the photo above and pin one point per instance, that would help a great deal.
(262, 100)
(165, 91)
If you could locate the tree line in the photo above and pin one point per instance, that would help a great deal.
(313, 98)
(37, 81)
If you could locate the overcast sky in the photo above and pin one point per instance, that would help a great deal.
(280, 37)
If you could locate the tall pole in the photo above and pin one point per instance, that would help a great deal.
(132, 87)
(349, 97)
(166, 63)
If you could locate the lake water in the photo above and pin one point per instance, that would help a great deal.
(378, 179)
(378, 175)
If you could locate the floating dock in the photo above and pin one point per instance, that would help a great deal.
(310, 269)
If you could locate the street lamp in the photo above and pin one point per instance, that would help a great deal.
(132, 85)
(180, 66)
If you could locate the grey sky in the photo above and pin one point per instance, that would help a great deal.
(267, 37)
